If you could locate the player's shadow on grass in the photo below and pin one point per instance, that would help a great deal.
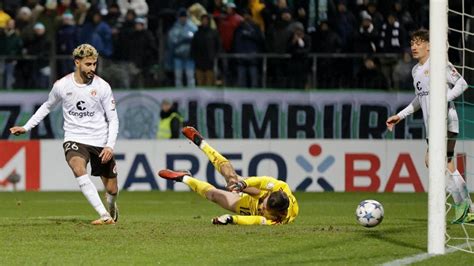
(44, 221)
(73, 220)
(385, 236)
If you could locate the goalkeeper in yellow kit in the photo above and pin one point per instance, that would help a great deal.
(255, 200)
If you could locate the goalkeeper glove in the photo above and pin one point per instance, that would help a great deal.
(223, 219)
(238, 187)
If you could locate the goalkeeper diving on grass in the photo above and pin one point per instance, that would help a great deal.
(257, 200)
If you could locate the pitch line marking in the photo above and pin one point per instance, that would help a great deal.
(422, 256)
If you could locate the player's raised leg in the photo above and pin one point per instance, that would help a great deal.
(222, 164)
(214, 156)
(225, 199)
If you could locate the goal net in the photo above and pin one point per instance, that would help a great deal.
(461, 55)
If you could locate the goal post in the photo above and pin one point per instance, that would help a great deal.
(437, 126)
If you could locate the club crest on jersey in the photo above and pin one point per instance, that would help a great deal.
(426, 73)
(418, 87)
(80, 105)
(270, 186)
(93, 92)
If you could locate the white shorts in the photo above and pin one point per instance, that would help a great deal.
(453, 121)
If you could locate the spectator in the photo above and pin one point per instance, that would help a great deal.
(144, 52)
(11, 6)
(170, 121)
(66, 41)
(256, 8)
(393, 37)
(270, 13)
(248, 39)
(365, 40)
(64, 7)
(327, 41)
(205, 46)
(370, 76)
(344, 24)
(281, 4)
(311, 13)
(24, 22)
(34, 5)
(299, 47)
(121, 71)
(401, 76)
(122, 35)
(227, 20)
(4, 17)
(403, 16)
(179, 43)
(113, 17)
(114, 20)
(377, 18)
(49, 18)
(227, 23)
(278, 35)
(217, 9)
(10, 45)
(81, 11)
(280, 32)
(97, 33)
(196, 11)
(139, 6)
(39, 46)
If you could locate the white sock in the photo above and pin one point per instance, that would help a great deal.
(91, 194)
(452, 188)
(111, 199)
(203, 143)
(460, 186)
(185, 179)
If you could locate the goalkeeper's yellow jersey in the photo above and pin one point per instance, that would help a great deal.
(267, 185)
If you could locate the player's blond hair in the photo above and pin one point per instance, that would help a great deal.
(85, 50)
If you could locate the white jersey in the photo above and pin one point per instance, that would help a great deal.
(456, 85)
(88, 110)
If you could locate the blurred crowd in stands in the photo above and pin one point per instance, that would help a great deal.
(187, 43)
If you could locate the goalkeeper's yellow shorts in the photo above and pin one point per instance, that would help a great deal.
(247, 205)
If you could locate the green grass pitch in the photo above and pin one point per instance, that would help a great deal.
(173, 228)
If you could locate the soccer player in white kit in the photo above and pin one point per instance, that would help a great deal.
(90, 129)
(464, 210)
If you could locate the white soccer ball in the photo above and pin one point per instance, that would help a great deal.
(369, 213)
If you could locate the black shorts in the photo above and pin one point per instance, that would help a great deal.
(451, 143)
(91, 153)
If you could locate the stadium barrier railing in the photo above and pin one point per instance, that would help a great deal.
(336, 70)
